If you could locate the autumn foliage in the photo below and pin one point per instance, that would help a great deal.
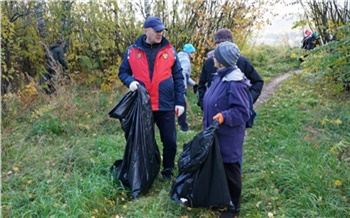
(98, 32)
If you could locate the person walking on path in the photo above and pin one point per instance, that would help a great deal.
(153, 63)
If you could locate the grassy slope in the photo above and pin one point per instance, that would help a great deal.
(56, 156)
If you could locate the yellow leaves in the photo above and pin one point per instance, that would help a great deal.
(15, 169)
(325, 120)
(30, 89)
(337, 122)
(106, 87)
(42, 110)
(270, 215)
(95, 211)
(112, 203)
(84, 126)
(340, 149)
(294, 56)
(337, 183)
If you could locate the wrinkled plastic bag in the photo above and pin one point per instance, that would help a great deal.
(141, 162)
(201, 181)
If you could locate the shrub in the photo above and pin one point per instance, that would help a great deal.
(330, 63)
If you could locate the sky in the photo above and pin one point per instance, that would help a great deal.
(280, 30)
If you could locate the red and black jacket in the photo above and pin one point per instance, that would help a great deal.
(162, 77)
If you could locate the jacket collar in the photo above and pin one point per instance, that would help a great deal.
(231, 74)
(141, 43)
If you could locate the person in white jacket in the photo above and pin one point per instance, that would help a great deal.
(185, 58)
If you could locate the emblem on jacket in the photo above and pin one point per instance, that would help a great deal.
(165, 55)
(138, 55)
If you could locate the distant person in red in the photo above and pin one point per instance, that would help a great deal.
(309, 42)
(304, 41)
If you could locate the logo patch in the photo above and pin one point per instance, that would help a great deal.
(165, 55)
(139, 55)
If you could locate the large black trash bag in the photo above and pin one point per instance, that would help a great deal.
(141, 162)
(201, 181)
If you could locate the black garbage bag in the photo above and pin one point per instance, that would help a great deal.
(141, 162)
(201, 181)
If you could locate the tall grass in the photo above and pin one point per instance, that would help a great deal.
(57, 150)
(271, 61)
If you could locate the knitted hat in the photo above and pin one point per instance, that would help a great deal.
(188, 48)
(223, 35)
(227, 53)
(155, 23)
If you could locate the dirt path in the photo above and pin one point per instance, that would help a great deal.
(273, 85)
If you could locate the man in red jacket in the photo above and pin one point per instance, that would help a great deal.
(152, 62)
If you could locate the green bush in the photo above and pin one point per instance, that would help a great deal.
(330, 63)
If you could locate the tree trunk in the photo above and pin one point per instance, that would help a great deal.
(40, 18)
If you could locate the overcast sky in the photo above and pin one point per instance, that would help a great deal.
(280, 29)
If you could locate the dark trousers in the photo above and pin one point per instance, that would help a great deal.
(49, 88)
(165, 121)
(182, 120)
(45, 78)
(234, 180)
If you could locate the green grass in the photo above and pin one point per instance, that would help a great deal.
(56, 156)
(291, 161)
(272, 61)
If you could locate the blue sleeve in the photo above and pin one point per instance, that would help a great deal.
(125, 73)
(185, 64)
(179, 86)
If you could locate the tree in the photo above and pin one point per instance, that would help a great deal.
(326, 16)
(329, 63)
(97, 34)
